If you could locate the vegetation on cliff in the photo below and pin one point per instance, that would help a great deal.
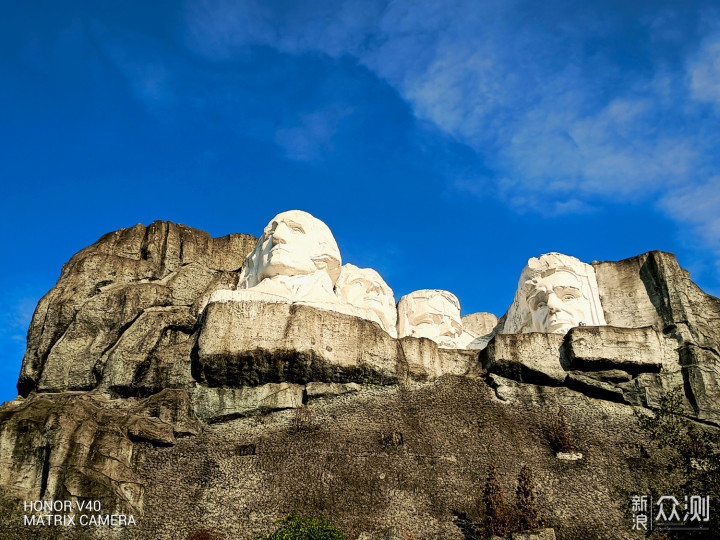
(694, 460)
(296, 527)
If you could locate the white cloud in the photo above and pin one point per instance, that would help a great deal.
(146, 71)
(222, 29)
(17, 314)
(564, 123)
(704, 71)
(699, 206)
(310, 137)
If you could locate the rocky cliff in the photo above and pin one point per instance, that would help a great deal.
(136, 394)
(129, 301)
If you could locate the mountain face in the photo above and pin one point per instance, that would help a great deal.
(139, 396)
(142, 283)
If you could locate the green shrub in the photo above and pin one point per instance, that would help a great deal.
(498, 515)
(295, 527)
(561, 438)
(526, 507)
(303, 418)
(694, 457)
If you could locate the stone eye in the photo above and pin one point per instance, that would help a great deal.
(568, 297)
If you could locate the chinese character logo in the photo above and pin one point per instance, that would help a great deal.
(669, 513)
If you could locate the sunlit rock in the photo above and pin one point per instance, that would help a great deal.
(432, 314)
(555, 293)
(366, 290)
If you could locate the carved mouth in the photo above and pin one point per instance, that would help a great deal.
(558, 325)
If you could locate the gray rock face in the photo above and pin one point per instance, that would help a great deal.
(652, 290)
(483, 326)
(152, 354)
(626, 365)
(217, 404)
(124, 355)
(56, 447)
(594, 387)
(597, 348)
(317, 389)
(663, 332)
(253, 343)
(701, 373)
(533, 358)
(98, 306)
(479, 324)
(124, 319)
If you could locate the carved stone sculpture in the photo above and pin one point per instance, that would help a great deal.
(365, 289)
(555, 293)
(296, 257)
(296, 260)
(125, 357)
(433, 314)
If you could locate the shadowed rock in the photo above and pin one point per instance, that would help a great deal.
(532, 358)
(597, 348)
(75, 445)
(653, 290)
(105, 288)
(125, 355)
(245, 343)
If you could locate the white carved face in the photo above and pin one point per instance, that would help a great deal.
(295, 243)
(432, 314)
(364, 288)
(557, 304)
(555, 293)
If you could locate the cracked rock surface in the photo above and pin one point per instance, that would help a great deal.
(125, 303)
(135, 393)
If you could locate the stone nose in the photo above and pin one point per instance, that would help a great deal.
(447, 328)
(279, 235)
(553, 303)
(375, 289)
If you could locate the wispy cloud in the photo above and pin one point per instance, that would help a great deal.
(147, 71)
(223, 29)
(309, 136)
(569, 108)
(699, 206)
(704, 70)
(17, 314)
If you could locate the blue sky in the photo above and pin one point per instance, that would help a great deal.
(444, 143)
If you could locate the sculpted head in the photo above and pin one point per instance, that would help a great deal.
(430, 313)
(293, 243)
(364, 288)
(556, 302)
(555, 293)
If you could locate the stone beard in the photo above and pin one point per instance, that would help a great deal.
(365, 289)
(433, 314)
(555, 293)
